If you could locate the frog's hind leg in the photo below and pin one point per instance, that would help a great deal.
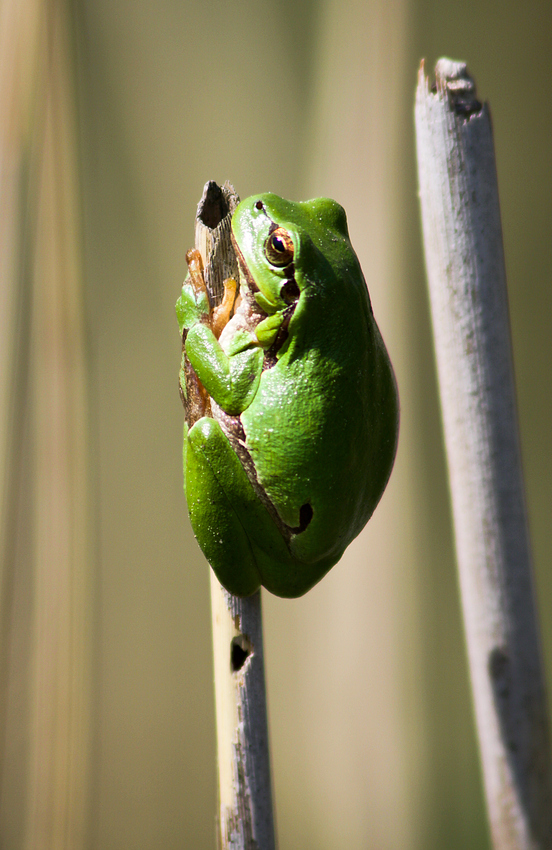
(220, 533)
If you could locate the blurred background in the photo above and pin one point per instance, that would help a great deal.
(113, 114)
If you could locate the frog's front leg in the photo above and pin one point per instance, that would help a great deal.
(230, 379)
(194, 309)
(194, 304)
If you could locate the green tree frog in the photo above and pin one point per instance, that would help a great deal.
(291, 401)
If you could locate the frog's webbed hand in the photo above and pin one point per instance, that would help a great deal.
(193, 306)
(222, 313)
(232, 378)
(218, 316)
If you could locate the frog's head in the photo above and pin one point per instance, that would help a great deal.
(266, 245)
(280, 245)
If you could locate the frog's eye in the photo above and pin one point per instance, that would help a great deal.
(279, 248)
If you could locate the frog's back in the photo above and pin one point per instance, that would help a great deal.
(322, 428)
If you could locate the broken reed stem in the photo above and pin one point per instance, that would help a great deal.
(246, 820)
(467, 286)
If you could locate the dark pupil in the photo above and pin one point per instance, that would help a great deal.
(278, 244)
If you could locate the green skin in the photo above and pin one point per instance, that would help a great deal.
(319, 420)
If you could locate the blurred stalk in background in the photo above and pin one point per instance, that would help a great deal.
(45, 591)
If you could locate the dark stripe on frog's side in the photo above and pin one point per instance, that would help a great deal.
(233, 429)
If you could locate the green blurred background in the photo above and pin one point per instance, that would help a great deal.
(114, 114)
